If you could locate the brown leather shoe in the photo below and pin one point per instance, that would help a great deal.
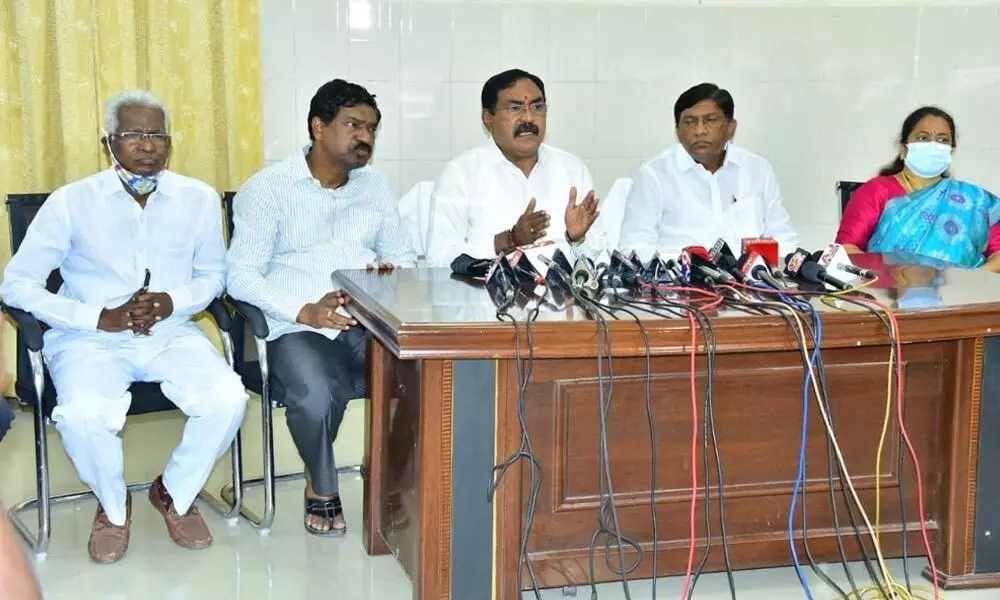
(108, 542)
(188, 531)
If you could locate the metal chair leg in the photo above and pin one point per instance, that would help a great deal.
(231, 493)
(39, 540)
(234, 493)
(229, 507)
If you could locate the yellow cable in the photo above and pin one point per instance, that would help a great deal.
(895, 590)
(871, 592)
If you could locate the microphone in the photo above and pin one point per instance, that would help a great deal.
(751, 262)
(853, 270)
(835, 258)
(705, 273)
(675, 273)
(500, 282)
(655, 271)
(812, 271)
(583, 279)
(525, 272)
(794, 262)
(556, 280)
(800, 265)
(559, 258)
(623, 272)
(695, 251)
(725, 260)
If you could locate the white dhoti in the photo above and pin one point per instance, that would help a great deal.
(92, 373)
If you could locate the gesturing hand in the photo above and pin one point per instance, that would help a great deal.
(579, 217)
(324, 315)
(531, 226)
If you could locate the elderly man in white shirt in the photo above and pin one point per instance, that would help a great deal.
(140, 251)
(294, 224)
(502, 195)
(706, 187)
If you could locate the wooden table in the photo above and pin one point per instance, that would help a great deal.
(444, 411)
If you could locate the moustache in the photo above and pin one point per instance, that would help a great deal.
(525, 128)
(363, 146)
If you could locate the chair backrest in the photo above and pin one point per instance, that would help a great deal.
(242, 351)
(227, 206)
(845, 189)
(21, 210)
(415, 213)
(613, 209)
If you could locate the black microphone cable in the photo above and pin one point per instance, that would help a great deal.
(609, 524)
(708, 334)
(651, 424)
(525, 450)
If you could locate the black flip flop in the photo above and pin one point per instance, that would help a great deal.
(324, 509)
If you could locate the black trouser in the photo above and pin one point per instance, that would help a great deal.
(314, 377)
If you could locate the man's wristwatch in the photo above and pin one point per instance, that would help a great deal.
(576, 243)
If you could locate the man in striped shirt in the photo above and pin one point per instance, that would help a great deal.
(295, 223)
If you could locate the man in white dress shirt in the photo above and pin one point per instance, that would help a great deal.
(294, 224)
(108, 233)
(706, 187)
(503, 194)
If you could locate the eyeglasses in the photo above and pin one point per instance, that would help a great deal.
(516, 108)
(711, 122)
(134, 138)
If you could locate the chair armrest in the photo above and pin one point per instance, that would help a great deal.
(27, 324)
(254, 316)
(220, 313)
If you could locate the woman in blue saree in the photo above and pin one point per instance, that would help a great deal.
(914, 207)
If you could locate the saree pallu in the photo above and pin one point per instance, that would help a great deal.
(949, 220)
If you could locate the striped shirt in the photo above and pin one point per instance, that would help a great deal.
(290, 234)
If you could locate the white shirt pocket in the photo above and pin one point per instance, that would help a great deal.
(173, 266)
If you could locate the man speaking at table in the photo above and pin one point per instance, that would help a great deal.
(503, 194)
(706, 187)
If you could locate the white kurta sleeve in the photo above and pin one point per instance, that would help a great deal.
(45, 246)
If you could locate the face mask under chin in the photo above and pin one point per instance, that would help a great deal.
(142, 185)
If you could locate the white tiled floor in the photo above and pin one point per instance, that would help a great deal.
(289, 563)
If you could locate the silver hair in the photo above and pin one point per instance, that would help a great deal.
(128, 98)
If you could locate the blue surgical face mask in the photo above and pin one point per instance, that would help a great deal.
(928, 159)
(142, 185)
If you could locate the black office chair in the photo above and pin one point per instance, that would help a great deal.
(34, 387)
(846, 189)
(251, 364)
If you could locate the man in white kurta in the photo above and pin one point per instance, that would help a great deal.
(513, 190)
(105, 233)
(704, 188)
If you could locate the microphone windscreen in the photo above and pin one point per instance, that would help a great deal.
(471, 267)
(559, 258)
(811, 271)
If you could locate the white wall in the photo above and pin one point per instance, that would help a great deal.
(821, 87)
